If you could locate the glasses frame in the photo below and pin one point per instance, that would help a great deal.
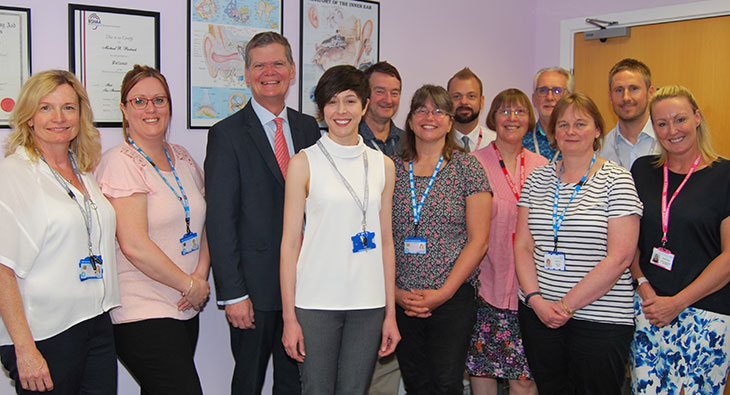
(423, 112)
(543, 91)
(146, 101)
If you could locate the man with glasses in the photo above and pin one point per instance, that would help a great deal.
(465, 89)
(629, 83)
(549, 85)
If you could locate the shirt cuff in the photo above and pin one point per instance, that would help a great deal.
(232, 301)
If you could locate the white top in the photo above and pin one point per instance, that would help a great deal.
(43, 238)
(487, 137)
(620, 150)
(609, 193)
(123, 172)
(329, 275)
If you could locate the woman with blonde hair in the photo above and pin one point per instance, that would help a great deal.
(58, 278)
(682, 264)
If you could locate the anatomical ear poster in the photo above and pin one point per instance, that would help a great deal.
(218, 31)
(335, 32)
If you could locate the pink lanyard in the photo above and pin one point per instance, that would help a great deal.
(506, 174)
(666, 207)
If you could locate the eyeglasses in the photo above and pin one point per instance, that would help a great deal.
(508, 111)
(140, 103)
(423, 112)
(544, 90)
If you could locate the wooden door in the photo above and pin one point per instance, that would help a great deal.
(694, 53)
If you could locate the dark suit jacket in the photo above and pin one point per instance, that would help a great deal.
(244, 189)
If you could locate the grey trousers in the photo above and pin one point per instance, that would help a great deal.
(341, 349)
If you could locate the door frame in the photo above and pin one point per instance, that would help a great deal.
(646, 16)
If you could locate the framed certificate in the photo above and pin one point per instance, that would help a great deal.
(105, 43)
(14, 57)
(218, 31)
(334, 33)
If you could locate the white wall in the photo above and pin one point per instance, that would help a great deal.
(428, 40)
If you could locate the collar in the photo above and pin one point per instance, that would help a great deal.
(343, 151)
(647, 132)
(367, 133)
(266, 116)
(473, 135)
(539, 129)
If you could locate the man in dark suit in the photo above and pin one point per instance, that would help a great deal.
(245, 169)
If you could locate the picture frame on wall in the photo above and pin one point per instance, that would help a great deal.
(335, 32)
(218, 31)
(14, 57)
(104, 44)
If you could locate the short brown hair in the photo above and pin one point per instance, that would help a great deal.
(630, 65)
(583, 103)
(137, 74)
(442, 101)
(383, 68)
(465, 74)
(339, 79)
(263, 39)
(510, 97)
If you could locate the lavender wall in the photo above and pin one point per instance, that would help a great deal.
(428, 40)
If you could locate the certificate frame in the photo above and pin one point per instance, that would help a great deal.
(118, 38)
(15, 56)
(217, 36)
(334, 32)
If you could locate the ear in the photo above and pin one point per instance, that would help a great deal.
(651, 91)
(365, 107)
(481, 103)
(698, 117)
(293, 71)
(123, 108)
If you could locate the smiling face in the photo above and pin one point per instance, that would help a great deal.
(269, 74)
(512, 122)
(675, 125)
(575, 131)
(629, 95)
(56, 120)
(343, 113)
(468, 101)
(545, 104)
(150, 122)
(428, 127)
(384, 96)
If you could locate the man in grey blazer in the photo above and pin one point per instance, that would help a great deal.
(245, 169)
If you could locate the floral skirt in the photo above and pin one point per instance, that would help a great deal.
(496, 345)
(691, 352)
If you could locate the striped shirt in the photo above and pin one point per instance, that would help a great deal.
(609, 193)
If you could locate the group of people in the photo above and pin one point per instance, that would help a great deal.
(535, 251)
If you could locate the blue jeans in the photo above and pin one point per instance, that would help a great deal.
(341, 347)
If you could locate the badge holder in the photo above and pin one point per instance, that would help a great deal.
(663, 258)
(91, 268)
(363, 241)
(189, 243)
(554, 261)
(415, 246)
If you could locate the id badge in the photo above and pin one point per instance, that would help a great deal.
(363, 241)
(189, 243)
(663, 258)
(554, 261)
(88, 271)
(415, 245)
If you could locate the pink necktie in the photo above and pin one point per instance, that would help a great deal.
(280, 148)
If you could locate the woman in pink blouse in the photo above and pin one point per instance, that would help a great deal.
(496, 349)
(162, 254)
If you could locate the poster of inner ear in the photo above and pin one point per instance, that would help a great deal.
(218, 31)
(335, 32)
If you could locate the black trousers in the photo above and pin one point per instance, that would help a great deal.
(432, 351)
(159, 354)
(81, 359)
(581, 357)
(251, 350)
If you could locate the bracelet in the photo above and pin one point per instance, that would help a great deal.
(531, 294)
(189, 288)
(641, 280)
(567, 310)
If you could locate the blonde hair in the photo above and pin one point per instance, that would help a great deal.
(85, 146)
(704, 138)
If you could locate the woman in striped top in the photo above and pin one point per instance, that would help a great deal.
(577, 228)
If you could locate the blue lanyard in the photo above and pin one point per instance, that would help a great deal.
(182, 199)
(558, 221)
(411, 179)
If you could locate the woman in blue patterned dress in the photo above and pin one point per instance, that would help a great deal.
(682, 265)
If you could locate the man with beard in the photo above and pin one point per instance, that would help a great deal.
(630, 89)
(377, 128)
(465, 89)
(548, 87)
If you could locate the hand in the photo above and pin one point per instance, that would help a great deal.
(661, 310)
(293, 340)
(551, 314)
(33, 370)
(390, 337)
(431, 299)
(408, 301)
(198, 294)
(240, 314)
(646, 291)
